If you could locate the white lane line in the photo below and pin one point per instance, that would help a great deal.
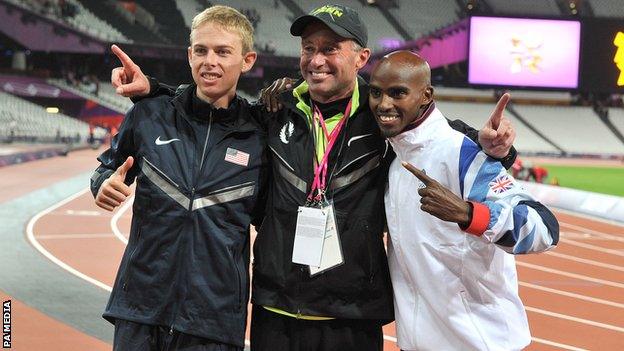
(77, 213)
(609, 236)
(31, 237)
(84, 213)
(572, 295)
(585, 261)
(571, 275)
(538, 340)
(74, 236)
(581, 236)
(559, 345)
(590, 217)
(118, 234)
(575, 319)
(593, 247)
(115, 219)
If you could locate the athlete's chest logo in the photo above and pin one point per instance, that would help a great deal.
(159, 141)
(286, 132)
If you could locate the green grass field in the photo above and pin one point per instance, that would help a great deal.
(604, 180)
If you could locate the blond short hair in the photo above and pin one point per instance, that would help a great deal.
(228, 18)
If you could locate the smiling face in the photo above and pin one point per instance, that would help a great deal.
(217, 60)
(329, 63)
(400, 91)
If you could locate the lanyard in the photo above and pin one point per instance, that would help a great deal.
(320, 169)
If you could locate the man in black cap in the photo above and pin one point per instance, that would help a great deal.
(345, 306)
(326, 152)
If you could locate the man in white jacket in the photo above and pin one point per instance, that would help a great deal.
(454, 224)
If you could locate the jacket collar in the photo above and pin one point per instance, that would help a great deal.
(298, 99)
(428, 110)
(419, 137)
(236, 115)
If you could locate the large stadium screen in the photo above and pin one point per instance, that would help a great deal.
(603, 56)
(520, 52)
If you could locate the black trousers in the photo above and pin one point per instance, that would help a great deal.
(131, 336)
(271, 331)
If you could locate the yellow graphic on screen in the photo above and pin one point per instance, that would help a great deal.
(619, 56)
(525, 54)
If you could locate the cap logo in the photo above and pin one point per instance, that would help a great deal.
(332, 10)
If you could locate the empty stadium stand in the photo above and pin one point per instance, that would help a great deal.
(28, 122)
(422, 17)
(83, 20)
(526, 7)
(170, 22)
(476, 114)
(125, 21)
(188, 9)
(272, 28)
(88, 22)
(578, 130)
(608, 8)
(106, 95)
(616, 115)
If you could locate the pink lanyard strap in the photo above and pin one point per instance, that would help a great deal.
(320, 171)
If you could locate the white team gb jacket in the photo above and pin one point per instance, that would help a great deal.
(454, 290)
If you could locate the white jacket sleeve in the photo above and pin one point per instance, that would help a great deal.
(517, 223)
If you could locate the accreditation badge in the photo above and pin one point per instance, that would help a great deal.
(332, 248)
(309, 236)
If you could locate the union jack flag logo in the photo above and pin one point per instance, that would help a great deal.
(501, 184)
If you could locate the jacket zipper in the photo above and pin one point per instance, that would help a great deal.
(201, 163)
(126, 274)
(191, 198)
(240, 281)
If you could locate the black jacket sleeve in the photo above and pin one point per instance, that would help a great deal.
(156, 89)
(122, 146)
(473, 134)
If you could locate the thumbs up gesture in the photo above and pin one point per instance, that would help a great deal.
(497, 136)
(114, 191)
(439, 201)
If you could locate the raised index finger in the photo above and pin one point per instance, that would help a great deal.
(418, 173)
(497, 114)
(126, 61)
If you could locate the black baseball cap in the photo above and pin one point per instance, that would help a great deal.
(343, 20)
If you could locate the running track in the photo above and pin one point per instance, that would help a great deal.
(574, 295)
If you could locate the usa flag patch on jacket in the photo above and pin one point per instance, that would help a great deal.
(236, 156)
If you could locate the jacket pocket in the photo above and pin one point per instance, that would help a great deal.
(478, 334)
(372, 255)
(241, 288)
(127, 270)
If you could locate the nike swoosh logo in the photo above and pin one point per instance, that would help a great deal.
(357, 137)
(164, 142)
